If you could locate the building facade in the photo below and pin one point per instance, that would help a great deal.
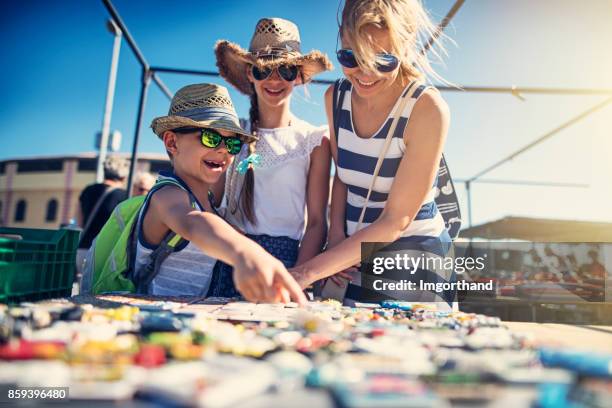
(43, 192)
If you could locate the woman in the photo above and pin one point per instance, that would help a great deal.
(383, 63)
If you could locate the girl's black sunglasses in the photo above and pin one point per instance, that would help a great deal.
(287, 72)
(384, 62)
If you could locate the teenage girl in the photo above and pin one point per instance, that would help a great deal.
(277, 190)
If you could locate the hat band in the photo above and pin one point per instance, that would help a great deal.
(200, 114)
(275, 52)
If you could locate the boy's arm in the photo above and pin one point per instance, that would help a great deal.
(257, 275)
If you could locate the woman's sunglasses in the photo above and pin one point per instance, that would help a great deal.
(288, 72)
(384, 62)
(211, 138)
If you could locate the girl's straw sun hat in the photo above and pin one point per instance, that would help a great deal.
(203, 106)
(275, 42)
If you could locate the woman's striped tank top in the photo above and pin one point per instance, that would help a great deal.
(357, 159)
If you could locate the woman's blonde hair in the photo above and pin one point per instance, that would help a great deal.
(410, 30)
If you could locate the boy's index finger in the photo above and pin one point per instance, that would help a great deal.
(295, 291)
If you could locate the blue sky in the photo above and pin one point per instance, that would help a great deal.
(56, 57)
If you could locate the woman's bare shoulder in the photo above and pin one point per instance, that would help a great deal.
(430, 116)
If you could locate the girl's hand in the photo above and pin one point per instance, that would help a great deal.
(260, 277)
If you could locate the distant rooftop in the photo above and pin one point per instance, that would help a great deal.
(87, 155)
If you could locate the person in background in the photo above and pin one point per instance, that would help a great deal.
(143, 183)
(97, 201)
(573, 266)
(594, 269)
(555, 263)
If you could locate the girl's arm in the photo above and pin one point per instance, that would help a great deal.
(257, 274)
(336, 212)
(317, 194)
(427, 128)
(338, 195)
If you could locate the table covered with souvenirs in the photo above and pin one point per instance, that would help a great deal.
(219, 352)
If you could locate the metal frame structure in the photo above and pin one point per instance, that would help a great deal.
(512, 156)
(149, 73)
(110, 94)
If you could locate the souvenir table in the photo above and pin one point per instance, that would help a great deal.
(144, 351)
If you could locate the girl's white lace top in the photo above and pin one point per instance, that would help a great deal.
(281, 178)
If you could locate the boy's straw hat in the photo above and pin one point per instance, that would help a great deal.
(204, 106)
(275, 42)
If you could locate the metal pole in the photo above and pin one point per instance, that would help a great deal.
(162, 86)
(110, 94)
(527, 183)
(185, 71)
(449, 16)
(515, 90)
(539, 140)
(511, 90)
(126, 34)
(146, 81)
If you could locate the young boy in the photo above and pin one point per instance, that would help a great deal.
(202, 135)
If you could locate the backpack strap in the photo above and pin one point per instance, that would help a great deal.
(157, 257)
(143, 278)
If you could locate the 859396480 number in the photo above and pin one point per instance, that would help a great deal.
(33, 393)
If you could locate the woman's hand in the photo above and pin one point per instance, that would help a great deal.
(334, 238)
(301, 275)
(260, 277)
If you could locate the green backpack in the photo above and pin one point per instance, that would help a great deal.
(110, 262)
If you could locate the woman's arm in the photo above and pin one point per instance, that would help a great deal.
(424, 136)
(317, 194)
(257, 274)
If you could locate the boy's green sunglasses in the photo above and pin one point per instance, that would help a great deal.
(211, 138)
